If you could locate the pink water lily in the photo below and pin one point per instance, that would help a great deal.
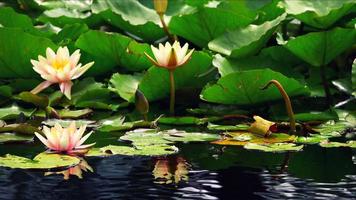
(64, 139)
(59, 68)
(170, 56)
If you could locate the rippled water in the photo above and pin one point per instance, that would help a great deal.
(199, 171)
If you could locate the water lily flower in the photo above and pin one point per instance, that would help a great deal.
(170, 57)
(59, 68)
(67, 140)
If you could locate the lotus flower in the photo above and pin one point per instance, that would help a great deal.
(59, 68)
(170, 57)
(62, 139)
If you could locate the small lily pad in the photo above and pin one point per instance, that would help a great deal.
(331, 128)
(11, 137)
(66, 123)
(187, 120)
(273, 138)
(19, 128)
(238, 127)
(35, 99)
(276, 147)
(327, 144)
(152, 150)
(145, 137)
(41, 161)
(243, 137)
(182, 136)
(313, 139)
(116, 123)
(13, 111)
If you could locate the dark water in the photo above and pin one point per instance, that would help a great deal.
(199, 171)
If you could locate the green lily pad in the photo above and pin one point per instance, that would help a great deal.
(5, 91)
(240, 138)
(13, 111)
(41, 161)
(312, 139)
(153, 150)
(207, 23)
(113, 49)
(327, 144)
(331, 129)
(276, 147)
(318, 13)
(243, 88)
(37, 100)
(245, 41)
(66, 123)
(23, 128)
(125, 85)
(238, 127)
(11, 137)
(17, 48)
(182, 136)
(117, 123)
(187, 120)
(145, 137)
(320, 48)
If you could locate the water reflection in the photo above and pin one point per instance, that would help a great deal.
(170, 170)
(75, 171)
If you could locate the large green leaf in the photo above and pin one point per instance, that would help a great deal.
(130, 16)
(318, 13)
(243, 88)
(41, 161)
(113, 49)
(155, 83)
(242, 42)
(11, 137)
(13, 112)
(125, 85)
(207, 23)
(9, 18)
(320, 48)
(17, 48)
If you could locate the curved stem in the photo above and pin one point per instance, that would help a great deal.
(326, 86)
(172, 100)
(286, 101)
(165, 28)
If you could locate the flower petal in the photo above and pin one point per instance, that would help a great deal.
(81, 70)
(81, 141)
(41, 86)
(66, 88)
(42, 139)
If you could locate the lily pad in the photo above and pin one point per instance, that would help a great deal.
(11, 137)
(276, 147)
(37, 100)
(245, 41)
(13, 112)
(66, 123)
(273, 138)
(23, 128)
(145, 137)
(318, 13)
(238, 127)
(327, 144)
(331, 129)
(243, 88)
(41, 161)
(182, 136)
(153, 150)
(117, 123)
(125, 85)
(187, 120)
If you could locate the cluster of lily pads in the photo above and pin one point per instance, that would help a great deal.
(303, 47)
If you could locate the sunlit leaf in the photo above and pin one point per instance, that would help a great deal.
(11, 137)
(327, 144)
(125, 85)
(13, 111)
(277, 147)
(238, 127)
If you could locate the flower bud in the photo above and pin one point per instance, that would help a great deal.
(160, 6)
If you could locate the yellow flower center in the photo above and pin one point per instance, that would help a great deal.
(59, 64)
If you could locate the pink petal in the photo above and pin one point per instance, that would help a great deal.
(42, 139)
(85, 146)
(41, 86)
(82, 70)
(84, 138)
(66, 88)
(50, 54)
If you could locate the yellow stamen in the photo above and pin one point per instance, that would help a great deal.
(59, 64)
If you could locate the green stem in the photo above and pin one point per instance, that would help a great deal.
(172, 100)
(287, 102)
(171, 37)
(326, 85)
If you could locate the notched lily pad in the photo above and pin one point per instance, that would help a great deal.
(40, 101)
(327, 144)
(13, 112)
(11, 138)
(19, 128)
(41, 161)
(238, 127)
(276, 147)
(182, 136)
(236, 139)
(116, 123)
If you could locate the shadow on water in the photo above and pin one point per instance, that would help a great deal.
(200, 171)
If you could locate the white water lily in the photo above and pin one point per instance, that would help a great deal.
(170, 56)
(64, 139)
(59, 68)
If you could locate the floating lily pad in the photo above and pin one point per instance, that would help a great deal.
(152, 150)
(11, 137)
(273, 138)
(37, 100)
(327, 144)
(312, 139)
(13, 111)
(23, 128)
(117, 123)
(331, 129)
(66, 123)
(188, 120)
(145, 137)
(238, 127)
(182, 136)
(276, 147)
(41, 161)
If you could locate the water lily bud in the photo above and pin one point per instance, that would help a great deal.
(261, 126)
(160, 6)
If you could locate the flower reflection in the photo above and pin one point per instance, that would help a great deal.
(75, 171)
(170, 170)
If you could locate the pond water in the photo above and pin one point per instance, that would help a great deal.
(199, 171)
